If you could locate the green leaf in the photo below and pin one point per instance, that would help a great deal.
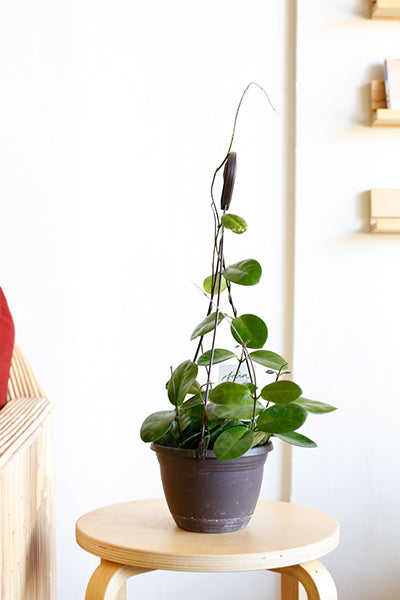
(191, 403)
(297, 439)
(191, 412)
(281, 392)
(206, 325)
(220, 355)
(234, 223)
(228, 392)
(241, 409)
(251, 387)
(181, 382)
(249, 331)
(208, 283)
(281, 418)
(156, 425)
(171, 438)
(260, 438)
(312, 406)
(244, 272)
(194, 388)
(233, 443)
(268, 359)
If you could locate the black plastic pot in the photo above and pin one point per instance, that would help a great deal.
(209, 496)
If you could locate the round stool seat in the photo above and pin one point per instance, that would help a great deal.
(143, 534)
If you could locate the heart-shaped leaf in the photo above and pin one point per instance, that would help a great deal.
(249, 331)
(281, 392)
(244, 272)
(281, 418)
(312, 406)
(206, 325)
(156, 425)
(297, 439)
(228, 392)
(234, 223)
(233, 443)
(181, 382)
(208, 283)
(220, 355)
(268, 359)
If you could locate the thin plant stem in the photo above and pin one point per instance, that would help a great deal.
(176, 406)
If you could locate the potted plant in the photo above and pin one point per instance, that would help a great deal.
(213, 441)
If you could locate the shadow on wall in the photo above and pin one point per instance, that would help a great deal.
(364, 8)
(363, 211)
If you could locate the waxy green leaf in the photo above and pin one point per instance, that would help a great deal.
(281, 418)
(260, 438)
(249, 331)
(233, 443)
(242, 409)
(312, 406)
(191, 413)
(268, 359)
(208, 283)
(206, 325)
(181, 382)
(244, 272)
(297, 439)
(220, 355)
(281, 392)
(156, 425)
(234, 223)
(228, 392)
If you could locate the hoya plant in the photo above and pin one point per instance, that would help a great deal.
(230, 417)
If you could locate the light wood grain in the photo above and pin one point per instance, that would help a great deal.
(27, 535)
(381, 116)
(108, 581)
(143, 534)
(385, 9)
(315, 578)
(289, 587)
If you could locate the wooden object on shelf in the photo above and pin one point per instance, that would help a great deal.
(385, 9)
(137, 537)
(27, 515)
(381, 116)
(385, 211)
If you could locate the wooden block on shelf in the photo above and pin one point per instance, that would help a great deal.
(385, 211)
(381, 116)
(385, 9)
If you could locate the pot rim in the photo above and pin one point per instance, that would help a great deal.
(193, 453)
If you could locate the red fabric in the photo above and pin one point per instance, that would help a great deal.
(7, 335)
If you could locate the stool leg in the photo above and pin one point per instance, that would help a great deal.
(289, 588)
(122, 592)
(108, 579)
(314, 577)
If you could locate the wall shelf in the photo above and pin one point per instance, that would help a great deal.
(385, 9)
(381, 116)
(385, 211)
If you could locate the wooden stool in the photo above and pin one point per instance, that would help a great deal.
(137, 537)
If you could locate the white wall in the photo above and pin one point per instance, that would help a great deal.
(347, 289)
(114, 116)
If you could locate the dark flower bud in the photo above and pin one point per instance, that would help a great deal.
(229, 181)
